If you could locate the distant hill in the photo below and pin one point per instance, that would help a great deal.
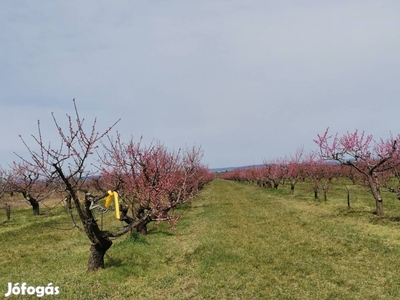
(220, 170)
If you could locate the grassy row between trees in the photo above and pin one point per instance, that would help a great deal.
(234, 241)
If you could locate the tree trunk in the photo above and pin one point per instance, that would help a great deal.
(315, 194)
(35, 207)
(100, 242)
(325, 195)
(379, 207)
(124, 214)
(142, 228)
(100, 239)
(292, 188)
(376, 192)
(68, 201)
(348, 198)
(144, 219)
(34, 204)
(96, 259)
(8, 212)
(378, 201)
(32, 201)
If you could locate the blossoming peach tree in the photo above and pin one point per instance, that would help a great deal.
(373, 159)
(153, 179)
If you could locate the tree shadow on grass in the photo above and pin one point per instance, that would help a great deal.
(136, 238)
(154, 231)
(395, 219)
(113, 262)
(354, 212)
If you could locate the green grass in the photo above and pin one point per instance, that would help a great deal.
(235, 241)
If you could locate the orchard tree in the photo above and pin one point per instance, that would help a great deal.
(236, 175)
(261, 175)
(153, 181)
(193, 175)
(256, 175)
(28, 180)
(252, 175)
(294, 171)
(372, 159)
(274, 172)
(312, 172)
(69, 166)
(4, 188)
(396, 173)
(320, 173)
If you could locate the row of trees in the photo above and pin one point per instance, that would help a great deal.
(90, 166)
(289, 172)
(354, 155)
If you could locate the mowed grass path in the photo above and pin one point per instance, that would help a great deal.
(261, 244)
(235, 241)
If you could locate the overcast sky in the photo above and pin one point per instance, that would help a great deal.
(246, 80)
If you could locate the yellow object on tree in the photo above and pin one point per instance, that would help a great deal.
(109, 198)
